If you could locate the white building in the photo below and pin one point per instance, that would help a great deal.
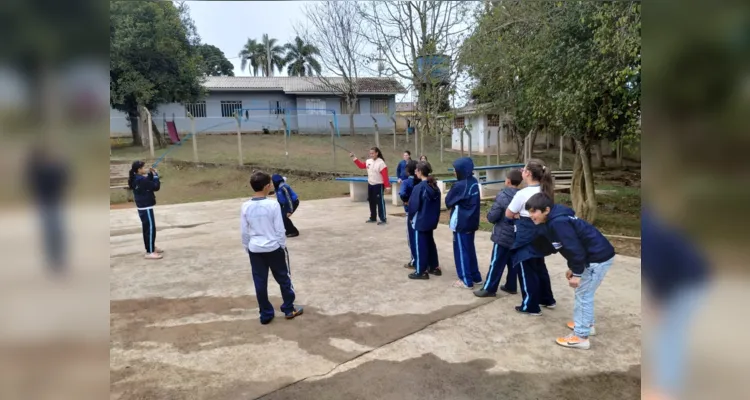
(483, 130)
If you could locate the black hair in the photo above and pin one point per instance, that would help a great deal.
(411, 167)
(426, 169)
(542, 174)
(133, 171)
(425, 158)
(539, 201)
(515, 177)
(408, 152)
(259, 180)
(380, 153)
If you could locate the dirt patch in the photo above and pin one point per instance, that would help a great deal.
(434, 378)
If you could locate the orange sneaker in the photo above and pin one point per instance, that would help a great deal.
(592, 332)
(574, 342)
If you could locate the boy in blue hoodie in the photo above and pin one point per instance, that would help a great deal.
(407, 187)
(463, 201)
(589, 255)
(289, 202)
(424, 215)
(503, 236)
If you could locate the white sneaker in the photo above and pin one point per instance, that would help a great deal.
(574, 342)
(153, 256)
(592, 332)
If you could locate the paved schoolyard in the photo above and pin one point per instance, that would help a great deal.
(186, 327)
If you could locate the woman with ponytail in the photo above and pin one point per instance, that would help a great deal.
(424, 215)
(378, 183)
(144, 182)
(535, 283)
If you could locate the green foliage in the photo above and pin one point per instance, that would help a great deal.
(215, 63)
(300, 58)
(257, 54)
(153, 55)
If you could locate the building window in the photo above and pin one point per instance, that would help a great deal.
(315, 107)
(229, 107)
(458, 122)
(379, 106)
(277, 107)
(493, 120)
(345, 107)
(197, 109)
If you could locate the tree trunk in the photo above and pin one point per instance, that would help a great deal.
(134, 120)
(532, 137)
(351, 122)
(582, 191)
(158, 135)
(598, 157)
(520, 141)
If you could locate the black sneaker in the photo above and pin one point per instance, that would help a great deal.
(371, 221)
(550, 306)
(409, 266)
(436, 272)
(382, 223)
(415, 275)
(266, 321)
(520, 310)
(291, 235)
(484, 293)
(296, 313)
(504, 289)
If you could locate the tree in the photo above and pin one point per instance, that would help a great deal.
(300, 58)
(404, 31)
(250, 54)
(271, 55)
(215, 63)
(336, 34)
(153, 57)
(574, 67)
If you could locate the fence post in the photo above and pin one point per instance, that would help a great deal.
(469, 134)
(195, 139)
(442, 147)
(487, 146)
(463, 131)
(286, 144)
(562, 145)
(333, 143)
(377, 132)
(416, 142)
(394, 133)
(497, 138)
(239, 137)
(150, 132)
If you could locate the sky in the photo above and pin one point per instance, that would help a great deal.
(228, 24)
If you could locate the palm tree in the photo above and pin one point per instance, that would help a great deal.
(251, 53)
(269, 48)
(300, 58)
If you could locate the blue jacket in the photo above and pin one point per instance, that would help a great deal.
(401, 170)
(530, 241)
(463, 198)
(669, 261)
(144, 188)
(503, 233)
(424, 207)
(407, 186)
(577, 240)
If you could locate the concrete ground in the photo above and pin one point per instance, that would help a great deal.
(186, 327)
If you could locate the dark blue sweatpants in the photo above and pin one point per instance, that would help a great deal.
(278, 262)
(411, 235)
(465, 256)
(376, 198)
(149, 229)
(536, 287)
(425, 252)
(500, 258)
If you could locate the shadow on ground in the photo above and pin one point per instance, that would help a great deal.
(429, 377)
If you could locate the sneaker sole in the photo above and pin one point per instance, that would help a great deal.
(574, 346)
(552, 307)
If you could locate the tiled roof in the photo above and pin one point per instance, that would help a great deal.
(293, 84)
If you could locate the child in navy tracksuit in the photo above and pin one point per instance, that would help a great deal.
(589, 255)
(407, 186)
(503, 236)
(289, 202)
(463, 201)
(424, 215)
(401, 172)
(144, 182)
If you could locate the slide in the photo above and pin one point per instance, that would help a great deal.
(172, 129)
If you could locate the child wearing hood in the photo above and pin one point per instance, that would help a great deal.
(503, 236)
(289, 202)
(424, 215)
(589, 255)
(463, 201)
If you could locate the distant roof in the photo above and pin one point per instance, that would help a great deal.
(294, 84)
(473, 109)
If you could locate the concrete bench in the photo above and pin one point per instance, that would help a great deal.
(358, 188)
(118, 179)
(495, 172)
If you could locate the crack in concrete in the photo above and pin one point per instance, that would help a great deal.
(481, 304)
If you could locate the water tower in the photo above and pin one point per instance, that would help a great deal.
(434, 69)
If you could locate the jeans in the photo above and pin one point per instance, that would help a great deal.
(583, 311)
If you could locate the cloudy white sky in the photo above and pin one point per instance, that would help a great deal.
(228, 24)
